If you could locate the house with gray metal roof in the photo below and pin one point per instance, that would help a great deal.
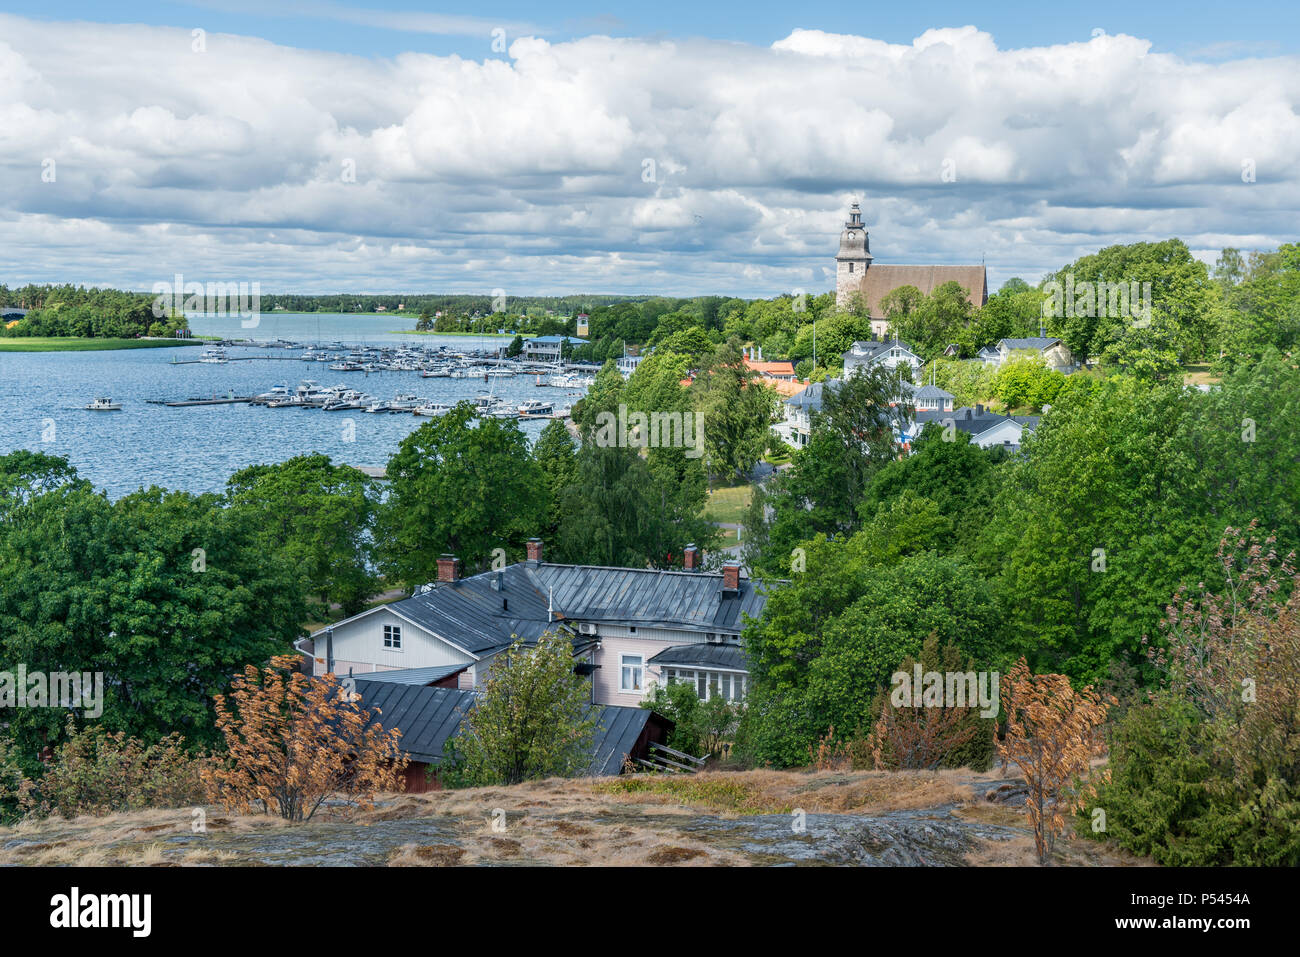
(890, 354)
(1051, 350)
(986, 429)
(429, 718)
(930, 398)
(618, 619)
(796, 425)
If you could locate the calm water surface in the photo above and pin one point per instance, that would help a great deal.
(197, 448)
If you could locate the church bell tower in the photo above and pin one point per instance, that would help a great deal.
(853, 259)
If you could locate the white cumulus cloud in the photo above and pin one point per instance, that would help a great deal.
(603, 164)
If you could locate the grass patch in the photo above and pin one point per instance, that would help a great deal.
(722, 793)
(1199, 375)
(85, 344)
(728, 504)
(783, 454)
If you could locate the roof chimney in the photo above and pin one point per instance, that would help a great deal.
(448, 568)
(691, 558)
(731, 576)
(535, 550)
(979, 409)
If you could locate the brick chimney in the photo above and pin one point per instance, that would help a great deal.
(691, 558)
(448, 568)
(731, 576)
(534, 549)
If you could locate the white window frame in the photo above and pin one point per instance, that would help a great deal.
(637, 670)
(392, 637)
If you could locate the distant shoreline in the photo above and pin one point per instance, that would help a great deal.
(88, 344)
(430, 332)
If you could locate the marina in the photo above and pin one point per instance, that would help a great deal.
(189, 426)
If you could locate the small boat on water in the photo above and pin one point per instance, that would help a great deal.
(405, 402)
(536, 407)
(104, 405)
(276, 392)
(433, 409)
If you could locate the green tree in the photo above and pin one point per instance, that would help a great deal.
(166, 594)
(533, 720)
(320, 517)
(738, 410)
(853, 435)
(557, 457)
(461, 485)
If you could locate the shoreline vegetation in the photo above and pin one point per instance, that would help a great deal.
(89, 344)
(468, 335)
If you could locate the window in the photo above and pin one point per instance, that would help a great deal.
(708, 684)
(850, 267)
(393, 636)
(631, 673)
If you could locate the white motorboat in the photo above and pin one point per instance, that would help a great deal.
(104, 404)
(536, 407)
(405, 402)
(433, 409)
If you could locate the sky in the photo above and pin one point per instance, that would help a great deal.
(670, 148)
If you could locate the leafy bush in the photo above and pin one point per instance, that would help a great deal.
(700, 727)
(931, 737)
(1208, 770)
(96, 772)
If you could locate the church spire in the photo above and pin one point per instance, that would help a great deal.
(853, 259)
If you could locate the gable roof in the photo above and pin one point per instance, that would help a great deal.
(430, 717)
(693, 601)
(881, 279)
(774, 367)
(976, 421)
(810, 398)
(869, 349)
(483, 614)
(931, 392)
(1038, 343)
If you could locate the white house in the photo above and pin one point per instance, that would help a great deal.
(930, 398)
(986, 429)
(1053, 352)
(872, 352)
(630, 627)
(548, 348)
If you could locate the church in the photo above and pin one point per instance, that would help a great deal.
(856, 274)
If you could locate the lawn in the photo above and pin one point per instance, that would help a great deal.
(1198, 375)
(728, 504)
(85, 344)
